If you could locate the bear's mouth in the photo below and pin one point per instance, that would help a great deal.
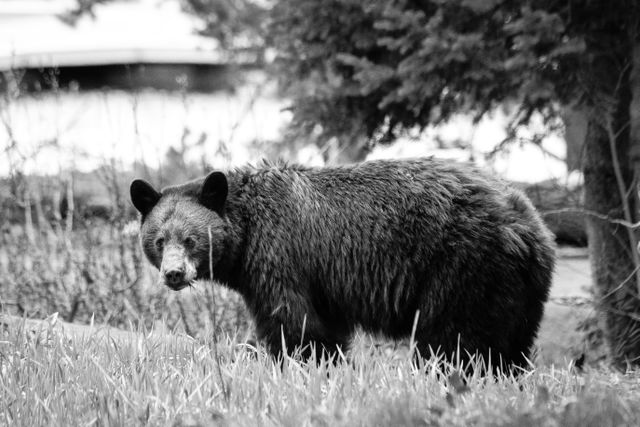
(177, 270)
(178, 286)
(175, 283)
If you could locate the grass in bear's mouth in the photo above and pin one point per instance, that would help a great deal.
(148, 379)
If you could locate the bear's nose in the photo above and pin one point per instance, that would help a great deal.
(174, 277)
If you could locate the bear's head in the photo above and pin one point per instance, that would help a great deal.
(183, 227)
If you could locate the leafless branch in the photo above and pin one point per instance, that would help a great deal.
(633, 241)
(624, 223)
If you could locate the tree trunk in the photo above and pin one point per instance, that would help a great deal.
(611, 254)
(575, 123)
(635, 117)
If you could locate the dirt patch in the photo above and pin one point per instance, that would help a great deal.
(559, 339)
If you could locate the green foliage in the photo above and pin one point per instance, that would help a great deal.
(400, 64)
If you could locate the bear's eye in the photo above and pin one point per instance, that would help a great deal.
(189, 242)
(160, 243)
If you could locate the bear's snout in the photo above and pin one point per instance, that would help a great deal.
(174, 279)
(177, 271)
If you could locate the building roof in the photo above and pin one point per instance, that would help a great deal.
(32, 35)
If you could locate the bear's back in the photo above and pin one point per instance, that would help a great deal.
(371, 242)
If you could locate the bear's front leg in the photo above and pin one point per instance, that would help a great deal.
(296, 329)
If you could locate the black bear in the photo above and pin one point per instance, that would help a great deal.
(317, 252)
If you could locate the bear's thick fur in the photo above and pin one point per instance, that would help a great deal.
(317, 252)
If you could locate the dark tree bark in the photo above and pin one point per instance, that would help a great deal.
(575, 124)
(611, 254)
(635, 116)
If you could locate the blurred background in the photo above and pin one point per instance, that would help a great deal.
(96, 92)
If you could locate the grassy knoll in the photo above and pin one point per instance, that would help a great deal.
(49, 376)
(62, 373)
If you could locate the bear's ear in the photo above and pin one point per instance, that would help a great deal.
(214, 192)
(143, 196)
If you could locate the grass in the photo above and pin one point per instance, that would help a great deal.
(176, 374)
(52, 378)
(80, 375)
(95, 376)
(98, 272)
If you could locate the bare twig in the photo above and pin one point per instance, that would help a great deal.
(633, 241)
(70, 212)
(621, 285)
(225, 390)
(28, 220)
(624, 223)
